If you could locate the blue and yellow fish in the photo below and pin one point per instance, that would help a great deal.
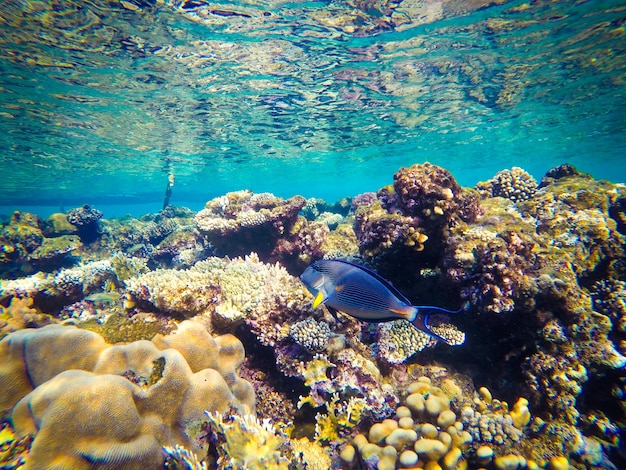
(360, 292)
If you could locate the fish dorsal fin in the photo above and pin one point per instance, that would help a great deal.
(380, 279)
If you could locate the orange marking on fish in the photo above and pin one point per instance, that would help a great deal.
(404, 313)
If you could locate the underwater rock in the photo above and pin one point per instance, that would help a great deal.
(86, 220)
(20, 237)
(58, 224)
(241, 222)
(105, 402)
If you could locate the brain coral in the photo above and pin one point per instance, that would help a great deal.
(93, 405)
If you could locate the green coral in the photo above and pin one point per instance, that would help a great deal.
(340, 418)
(244, 442)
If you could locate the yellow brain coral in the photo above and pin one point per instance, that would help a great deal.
(93, 405)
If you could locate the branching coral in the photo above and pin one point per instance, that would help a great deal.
(515, 184)
(20, 314)
(244, 442)
(310, 334)
(399, 340)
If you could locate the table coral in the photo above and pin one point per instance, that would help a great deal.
(186, 292)
(106, 403)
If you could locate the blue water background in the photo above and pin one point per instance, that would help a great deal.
(326, 114)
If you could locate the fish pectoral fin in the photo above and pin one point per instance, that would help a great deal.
(319, 300)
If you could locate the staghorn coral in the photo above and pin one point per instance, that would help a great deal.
(98, 402)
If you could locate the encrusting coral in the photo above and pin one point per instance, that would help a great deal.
(116, 404)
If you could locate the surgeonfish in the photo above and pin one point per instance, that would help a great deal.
(360, 292)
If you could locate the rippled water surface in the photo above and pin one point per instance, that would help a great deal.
(102, 100)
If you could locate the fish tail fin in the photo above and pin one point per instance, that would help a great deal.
(430, 309)
(421, 323)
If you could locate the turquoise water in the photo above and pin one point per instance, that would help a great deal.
(101, 101)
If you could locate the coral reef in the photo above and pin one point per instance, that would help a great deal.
(20, 314)
(101, 402)
(310, 334)
(399, 340)
(246, 442)
(413, 215)
(51, 292)
(540, 270)
(515, 184)
(439, 432)
(241, 222)
(86, 220)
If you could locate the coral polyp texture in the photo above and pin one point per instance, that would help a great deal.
(414, 213)
(116, 404)
(515, 184)
(243, 221)
(163, 305)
